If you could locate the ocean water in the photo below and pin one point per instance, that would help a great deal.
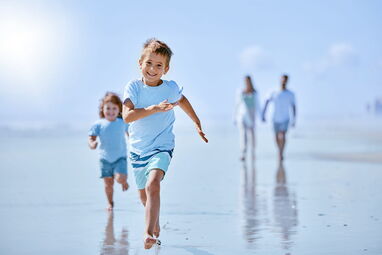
(324, 199)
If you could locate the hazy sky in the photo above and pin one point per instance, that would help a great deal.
(57, 58)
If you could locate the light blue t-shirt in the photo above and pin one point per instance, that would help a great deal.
(112, 138)
(153, 132)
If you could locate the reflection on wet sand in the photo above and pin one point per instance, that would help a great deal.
(251, 207)
(284, 209)
(111, 245)
(256, 216)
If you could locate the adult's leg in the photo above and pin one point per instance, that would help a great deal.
(282, 143)
(280, 140)
(152, 205)
(251, 130)
(109, 182)
(243, 140)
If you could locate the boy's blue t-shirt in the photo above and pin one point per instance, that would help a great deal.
(153, 132)
(112, 138)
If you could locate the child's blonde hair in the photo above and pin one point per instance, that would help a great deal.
(110, 97)
(153, 45)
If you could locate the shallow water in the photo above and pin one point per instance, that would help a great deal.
(322, 200)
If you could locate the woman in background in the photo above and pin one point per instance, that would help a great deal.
(247, 105)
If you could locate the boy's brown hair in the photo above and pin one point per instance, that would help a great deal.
(110, 97)
(153, 45)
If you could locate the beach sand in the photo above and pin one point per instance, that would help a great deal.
(325, 199)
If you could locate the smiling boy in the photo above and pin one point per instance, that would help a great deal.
(148, 107)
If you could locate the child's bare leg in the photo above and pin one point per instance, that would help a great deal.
(109, 182)
(122, 179)
(143, 197)
(152, 205)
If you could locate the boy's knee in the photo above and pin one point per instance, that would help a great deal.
(153, 187)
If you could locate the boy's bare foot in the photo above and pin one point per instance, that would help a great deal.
(110, 207)
(156, 230)
(149, 241)
(125, 186)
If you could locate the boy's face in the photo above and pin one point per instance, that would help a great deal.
(153, 67)
(110, 111)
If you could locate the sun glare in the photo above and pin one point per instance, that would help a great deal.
(30, 46)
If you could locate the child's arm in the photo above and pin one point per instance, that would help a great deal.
(187, 108)
(130, 114)
(92, 141)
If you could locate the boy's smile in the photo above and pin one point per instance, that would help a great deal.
(153, 67)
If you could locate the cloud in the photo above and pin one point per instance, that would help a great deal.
(255, 58)
(339, 55)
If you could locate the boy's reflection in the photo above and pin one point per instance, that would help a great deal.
(284, 208)
(112, 246)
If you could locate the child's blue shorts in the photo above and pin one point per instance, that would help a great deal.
(143, 165)
(110, 169)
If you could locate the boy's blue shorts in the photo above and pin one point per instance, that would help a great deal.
(143, 165)
(110, 169)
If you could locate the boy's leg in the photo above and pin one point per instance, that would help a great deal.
(122, 179)
(143, 197)
(152, 205)
(109, 182)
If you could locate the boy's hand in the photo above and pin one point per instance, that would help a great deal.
(200, 132)
(164, 106)
(93, 145)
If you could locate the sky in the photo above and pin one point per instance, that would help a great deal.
(58, 58)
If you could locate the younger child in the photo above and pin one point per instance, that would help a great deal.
(111, 130)
(148, 106)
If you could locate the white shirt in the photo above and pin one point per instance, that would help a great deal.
(283, 101)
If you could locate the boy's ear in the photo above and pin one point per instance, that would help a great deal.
(140, 63)
(166, 69)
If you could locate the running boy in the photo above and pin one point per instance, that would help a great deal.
(111, 130)
(148, 107)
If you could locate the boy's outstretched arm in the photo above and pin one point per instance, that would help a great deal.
(92, 142)
(130, 114)
(187, 108)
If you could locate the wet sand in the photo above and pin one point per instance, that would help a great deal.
(325, 198)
